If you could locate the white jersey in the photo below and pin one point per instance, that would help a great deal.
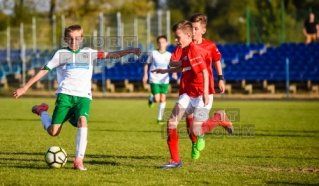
(74, 71)
(159, 60)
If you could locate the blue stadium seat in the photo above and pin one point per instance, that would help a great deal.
(16, 69)
(171, 48)
(2, 73)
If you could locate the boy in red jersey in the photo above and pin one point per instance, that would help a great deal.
(194, 87)
(199, 22)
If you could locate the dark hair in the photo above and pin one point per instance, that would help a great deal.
(185, 25)
(71, 28)
(161, 37)
(198, 17)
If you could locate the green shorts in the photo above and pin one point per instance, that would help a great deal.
(159, 88)
(73, 107)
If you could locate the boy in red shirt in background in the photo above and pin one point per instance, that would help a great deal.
(199, 22)
(194, 89)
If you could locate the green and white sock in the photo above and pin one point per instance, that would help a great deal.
(81, 142)
(161, 109)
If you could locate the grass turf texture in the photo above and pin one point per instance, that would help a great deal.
(126, 146)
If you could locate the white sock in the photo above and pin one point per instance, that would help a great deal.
(161, 108)
(151, 98)
(45, 119)
(81, 141)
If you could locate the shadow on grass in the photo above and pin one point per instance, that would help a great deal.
(279, 157)
(289, 183)
(22, 159)
(116, 130)
(19, 119)
(22, 153)
(30, 167)
(287, 133)
(124, 157)
(291, 131)
(94, 162)
(87, 155)
(95, 158)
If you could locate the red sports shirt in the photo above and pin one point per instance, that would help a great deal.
(215, 55)
(194, 60)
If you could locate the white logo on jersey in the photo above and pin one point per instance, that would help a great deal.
(186, 68)
(185, 58)
(194, 58)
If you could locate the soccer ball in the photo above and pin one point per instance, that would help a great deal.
(56, 157)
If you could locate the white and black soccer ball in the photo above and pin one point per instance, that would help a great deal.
(56, 157)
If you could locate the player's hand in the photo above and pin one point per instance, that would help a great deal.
(19, 92)
(205, 99)
(136, 51)
(145, 79)
(159, 71)
(174, 76)
(221, 85)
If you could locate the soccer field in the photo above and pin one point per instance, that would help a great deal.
(126, 146)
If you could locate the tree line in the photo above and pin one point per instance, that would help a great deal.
(226, 18)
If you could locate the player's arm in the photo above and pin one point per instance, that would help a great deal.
(304, 32)
(145, 77)
(19, 92)
(121, 53)
(175, 63)
(174, 76)
(221, 85)
(206, 83)
(163, 71)
(304, 29)
(148, 61)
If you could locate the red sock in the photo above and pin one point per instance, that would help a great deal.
(210, 123)
(189, 122)
(172, 142)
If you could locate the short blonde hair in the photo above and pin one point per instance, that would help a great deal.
(71, 28)
(185, 26)
(201, 18)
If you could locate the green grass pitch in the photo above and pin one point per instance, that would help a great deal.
(126, 146)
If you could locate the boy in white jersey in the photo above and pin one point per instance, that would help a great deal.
(159, 82)
(74, 68)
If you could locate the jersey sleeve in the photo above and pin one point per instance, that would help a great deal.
(55, 61)
(176, 55)
(97, 54)
(100, 54)
(216, 56)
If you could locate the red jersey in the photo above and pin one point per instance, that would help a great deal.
(194, 60)
(215, 55)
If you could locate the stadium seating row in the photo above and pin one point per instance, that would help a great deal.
(252, 62)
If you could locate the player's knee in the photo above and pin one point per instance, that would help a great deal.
(53, 133)
(82, 122)
(172, 124)
(53, 130)
(196, 130)
(156, 99)
(163, 99)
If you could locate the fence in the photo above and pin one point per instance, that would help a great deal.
(46, 34)
(284, 25)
